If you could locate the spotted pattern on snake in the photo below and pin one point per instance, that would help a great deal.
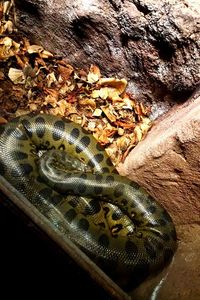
(67, 175)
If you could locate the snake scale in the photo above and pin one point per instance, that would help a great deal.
(68, 176)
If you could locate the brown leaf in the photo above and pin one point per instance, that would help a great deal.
(65, 71)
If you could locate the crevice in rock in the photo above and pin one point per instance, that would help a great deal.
(142, 7)
(28, 7)
(80, 27)
(124, 40)
(165, 49)
(116, 4)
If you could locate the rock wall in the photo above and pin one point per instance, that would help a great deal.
(155, 44)
(167, 161)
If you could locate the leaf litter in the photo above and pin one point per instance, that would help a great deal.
(33, 79)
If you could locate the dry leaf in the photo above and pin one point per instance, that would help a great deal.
(94, 74)
(118, 84)
(16, 75)
(100, 105)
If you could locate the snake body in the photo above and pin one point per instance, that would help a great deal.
(75, 185)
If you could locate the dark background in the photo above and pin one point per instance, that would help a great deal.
(32, 266)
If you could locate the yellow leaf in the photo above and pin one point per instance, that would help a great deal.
(94, 74)
(119, 84)
(51, 79)
(16, 76)
(97, 112)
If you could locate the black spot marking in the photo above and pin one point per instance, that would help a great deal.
(166, 216)
(158, 245)
(110, 179)
(106, 210)
(104, 240)
(40, 127)
(61, 147)
(152, 209)
(150, 199)
(18, 134)
(58, 129)
(84, 131)
(99, 147)
(74, 201)
(19, 155)
(15, 172)
(98, 157)
(165, 237)
(83, 176)
(116, 228)
(105, 170)
(117, 215)
(81, 188)
(131, 248)
(119, 190)
(134, 185)
(140, 198)
(83, 224)
(98, 177)
(25, 169)
(161, 222)
(92, 208)
(150, 249)
(39, 179)
(10, 131)
(124, 202)
(102, 225)
(46, 193)
(98, 190)
(134, 205)
(15, 120)
(56, 199)
(2, 129)
(91, 164)
(67, 121)
(2, 169)
(173, 235)
(114, 171)
(83, 143)
(74, 134)
(21, 186)
(70, 215)
(28, 127)
(168, 255)
(109, 162)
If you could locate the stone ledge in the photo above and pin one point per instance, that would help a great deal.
(167, 162)
(181, 279)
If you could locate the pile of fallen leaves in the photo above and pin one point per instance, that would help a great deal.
(41, 82)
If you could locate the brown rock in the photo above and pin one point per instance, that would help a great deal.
(153, 43)
(167, 162)
(180, 281)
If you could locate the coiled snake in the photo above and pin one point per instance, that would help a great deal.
(108, 216)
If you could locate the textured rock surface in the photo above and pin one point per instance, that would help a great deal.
(167, 161)
(180, 281)
(153, 43)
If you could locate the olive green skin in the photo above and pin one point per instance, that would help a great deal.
(108, 216)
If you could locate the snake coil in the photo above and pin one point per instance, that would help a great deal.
(108, 216)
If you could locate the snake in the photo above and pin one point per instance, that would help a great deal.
(67, 175)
